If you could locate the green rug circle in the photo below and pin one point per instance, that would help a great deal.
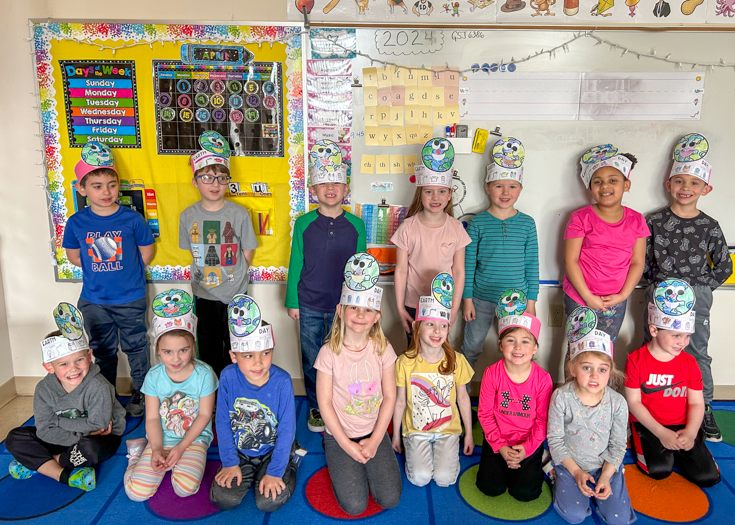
(505, 506)
(726, 421)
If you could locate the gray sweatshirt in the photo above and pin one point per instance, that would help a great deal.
(63, 418)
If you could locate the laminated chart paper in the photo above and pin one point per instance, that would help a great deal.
(381, 222)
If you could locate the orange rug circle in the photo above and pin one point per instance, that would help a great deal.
(671, 499)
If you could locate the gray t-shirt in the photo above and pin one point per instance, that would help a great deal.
(216, 240)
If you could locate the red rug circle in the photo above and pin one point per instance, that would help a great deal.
(319, 494)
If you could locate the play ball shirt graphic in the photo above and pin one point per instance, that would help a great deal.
(674, 297)
(438, 154)
(691, 147)
(172, 303)
(509, 153)
(580, 323)
(243, 315)
(442, 288)
(361, 272)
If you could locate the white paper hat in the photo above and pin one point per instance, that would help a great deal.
(507, 161)
(437, 158)
(215, 150)
(73, 338)
(689, 155)
(438, 305)
(595, 341)
(325, 163)
(601, 156)
(673, 306)
(524, 320)
(248, 331)
(361, 274)
(172, 310)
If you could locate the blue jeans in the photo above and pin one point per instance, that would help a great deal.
(314, 327)
(111, 324)
(476, 331)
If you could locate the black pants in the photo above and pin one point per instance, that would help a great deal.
(409, 334)
(697, 465)
(494, 477)
(213, 334)
(32, 452)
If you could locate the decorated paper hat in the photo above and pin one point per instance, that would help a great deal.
(595, 341)
(601, 156)
(172, 310)
(215, 150)
(583, 334)
(95, 155)
(325, 163)
(673, 306)
(507, 161)
(361, 274)
(248, 331)
(511, 302)
(435, 168)
(438, 305)
(70, 323)
(524, 320)
(689, 155)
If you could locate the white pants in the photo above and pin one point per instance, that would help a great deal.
(432, 455)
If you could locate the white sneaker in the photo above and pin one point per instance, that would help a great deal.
(135, 449)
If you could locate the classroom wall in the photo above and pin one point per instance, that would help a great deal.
(29, 291)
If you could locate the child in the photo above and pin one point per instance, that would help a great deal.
(587, 433)
(683, 241)
(663, 386)
(513, 408)
(323, 240)
(179, 436)
(503, 253)
(256, 419)
(605, 244)
(217, 232)
(118, 245)
(356, 390)
(430, 240)
(432, 370)
(78, 420)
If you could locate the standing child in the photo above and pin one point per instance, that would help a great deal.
(179, 398)
(430, 240)
(587, 433)
(503, 253)
(356, 390)
(323, 240)
(221, 239)
(689, 245)
(605, 243)
(663, 386)
(514, 404)
(118, 244)
(432, 371)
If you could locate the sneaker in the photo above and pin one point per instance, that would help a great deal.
(709, 425)
(83, 478)
(18, 471)
(135, 449)
(315, 423)
(136, 405)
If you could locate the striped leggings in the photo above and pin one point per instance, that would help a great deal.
(141, 481)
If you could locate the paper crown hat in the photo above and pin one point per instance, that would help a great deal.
(583, 334)
(673, 306)
(361, 274)
(215, 150)
(507, 161)
(172, 310)
(595, 341)
(689, 155)
(70, 323)
(601, 156)
(248, 331)
(438, 305)
(511, 311)
(95, 155)
(435, 168)
(325, 163)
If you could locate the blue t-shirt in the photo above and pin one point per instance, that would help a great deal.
(111, 261)
(180, 401)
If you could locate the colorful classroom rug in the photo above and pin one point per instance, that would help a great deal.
(674, 500)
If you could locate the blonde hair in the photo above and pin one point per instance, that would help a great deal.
(336, 337)
(616, 376)
(448, 363)
(416, 205)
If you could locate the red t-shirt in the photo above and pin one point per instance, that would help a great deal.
(663, 386)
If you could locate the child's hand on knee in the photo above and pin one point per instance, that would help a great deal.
(669, 439)
(174, 455)
(226, 474)
(271, 486)
(602, 488)
(158, 460)
(685, 440)
(582, 478)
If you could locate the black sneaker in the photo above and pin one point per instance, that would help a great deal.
(315, 423)
(709, 425)
(136, 405)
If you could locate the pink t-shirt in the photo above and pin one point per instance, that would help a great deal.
(357, 392)
(511, 413)
(607, 249)
(430, 251)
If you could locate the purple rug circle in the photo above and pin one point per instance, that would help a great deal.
(166, 504)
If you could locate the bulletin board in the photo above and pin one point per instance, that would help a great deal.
(244, 81)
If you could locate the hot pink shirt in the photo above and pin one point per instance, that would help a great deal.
(607, 249)
(511, 413)
(430, 251)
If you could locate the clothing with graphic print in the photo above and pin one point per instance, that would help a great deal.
(255, 420)
(431, 398)
(511, 413)
(356, 385)
(108, 248)
(179, 402)
(216, 240)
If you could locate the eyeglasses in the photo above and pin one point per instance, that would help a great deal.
(209, 179)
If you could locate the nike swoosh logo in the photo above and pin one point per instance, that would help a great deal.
(652, 390)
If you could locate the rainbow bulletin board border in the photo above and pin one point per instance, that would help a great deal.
(269, 264)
